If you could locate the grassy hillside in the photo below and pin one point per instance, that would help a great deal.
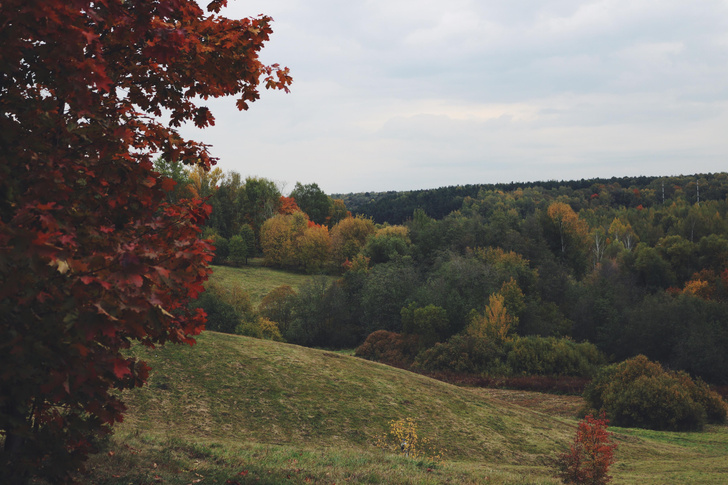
(252, 411)
(255, 279)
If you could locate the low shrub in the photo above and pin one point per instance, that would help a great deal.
(464, 354)
(715, 407)
(403, 439)
(640, 393)
(389, 348)
(237, 251)
(655, 402)
(429, 323)
(270, 330)
(226, 308)
(552, 356)
(520, 356)
(260, 328)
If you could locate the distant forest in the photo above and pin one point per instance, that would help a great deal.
(548, 278)
(395, 207)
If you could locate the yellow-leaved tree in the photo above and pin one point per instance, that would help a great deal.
(495, 324)
(204, 182)
(348, 236)
(572, 230)
(292, 241)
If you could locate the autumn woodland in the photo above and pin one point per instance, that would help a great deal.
(616, 268)
(119, 239)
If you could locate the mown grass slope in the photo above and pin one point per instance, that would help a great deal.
(255, 279)
(231, 386)
(237, 410)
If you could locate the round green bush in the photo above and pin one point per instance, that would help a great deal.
(654, 402)
(715, 407)
(640, 393)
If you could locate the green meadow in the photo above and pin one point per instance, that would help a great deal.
(233, 409)
(255, 279)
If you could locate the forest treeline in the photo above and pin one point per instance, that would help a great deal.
(395, 207)
(547, 279)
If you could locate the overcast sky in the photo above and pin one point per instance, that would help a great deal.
(414, 94)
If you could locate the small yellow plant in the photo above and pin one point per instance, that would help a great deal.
(403, 439)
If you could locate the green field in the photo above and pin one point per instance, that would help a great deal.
(252, 411)
(255, 279)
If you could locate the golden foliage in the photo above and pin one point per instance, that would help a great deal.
(275, 240)
(337, 212)
(313, 247)
(270, 330)
(699, 288)
(204, 182)
(403, 439)
(513, 299)
(495, 324)
(349, 236)
(396, 231)
(572, 230)
(290, 240)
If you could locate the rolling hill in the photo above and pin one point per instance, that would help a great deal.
(237, 410)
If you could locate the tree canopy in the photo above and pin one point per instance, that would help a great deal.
(92, 255)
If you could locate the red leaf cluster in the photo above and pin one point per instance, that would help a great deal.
(92, 258)
(288, 205)
(590, 455)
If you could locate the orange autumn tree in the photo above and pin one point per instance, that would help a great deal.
(288, 205)
(92, 256)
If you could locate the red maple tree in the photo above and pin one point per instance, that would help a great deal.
(288, 205)
(590, 455)
(92, 258)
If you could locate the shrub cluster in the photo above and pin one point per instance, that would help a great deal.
(261, 328)
(221, 316)
(233, 251)
(543, 356)
(465, 354)
(640, 393)
(389, 348)
(222, 249)
(552, 356)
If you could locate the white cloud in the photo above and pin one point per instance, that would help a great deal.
(421, 93)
